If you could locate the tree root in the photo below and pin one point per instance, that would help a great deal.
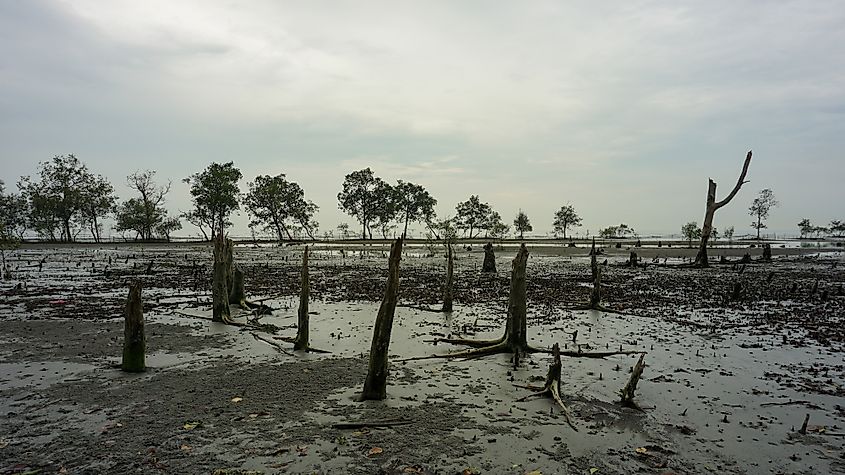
(421, 308)
(598, 308)
(272, 343)
(308, 349)
(552, 387)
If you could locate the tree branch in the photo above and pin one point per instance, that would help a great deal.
(739, 182)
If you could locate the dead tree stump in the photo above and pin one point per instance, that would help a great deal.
(220, 280)
(767, 252)
(375, 386)
(712, 207)
(630, 389)
(301, 342)
(134, 343)
(489, 264)
(552, 387)
(448, 288)
(633, 261)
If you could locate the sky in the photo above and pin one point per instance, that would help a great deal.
(623, 109)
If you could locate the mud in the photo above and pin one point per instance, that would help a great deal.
(727, 385)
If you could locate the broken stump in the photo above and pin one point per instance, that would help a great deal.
(134, 343)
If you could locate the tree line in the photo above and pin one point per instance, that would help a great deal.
(64, 199)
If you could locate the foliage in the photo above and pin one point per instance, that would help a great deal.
(9, 220)
(98, 201)
(59, 197)
(621, 231)
(522, 224)
(837, 227)
(357, 198)
(14, 212)
(760, 208)
(473, 216)
(278, 205)
(385, 207)
(495, 227)
(729, 233)
(145, 215)
(343, 230)
(566, 218)
(215, 195)
(413, 204)
(691, 231)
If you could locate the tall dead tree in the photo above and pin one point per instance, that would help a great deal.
(448, 288)
(301, 342)
(134, 342)
(712, 206)
(489, 264)
(220, 279)
(375, 386)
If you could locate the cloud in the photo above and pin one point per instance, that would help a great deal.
(570, 101)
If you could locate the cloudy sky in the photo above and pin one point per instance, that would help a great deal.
(623, 109)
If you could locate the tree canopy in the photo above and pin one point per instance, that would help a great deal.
(280, 206)
(146, 215)
(216, 195)
(566, 218)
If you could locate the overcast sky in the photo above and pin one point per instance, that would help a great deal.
(623, 109)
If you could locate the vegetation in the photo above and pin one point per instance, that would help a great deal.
(521, 224)
(691, 232)
(9, 219)
(760, 208)
(216, 196)
(279, 205)
(617, 232)
(146, 215)
(413, 204)
(357, 198)
(60, 198)
(566, 218)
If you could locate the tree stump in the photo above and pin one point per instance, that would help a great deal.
(552, 386)
(633, 261)
(489, 264)
(220, 280)
(448, 288)
(630, 389)
(134, 343)
(301, 342)
(767, 252)
(375, 386)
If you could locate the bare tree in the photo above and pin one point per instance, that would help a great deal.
(712, 206)
(760, 207)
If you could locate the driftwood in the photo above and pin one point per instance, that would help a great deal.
(712, 207)
(134, 343)
(552, 386)
(375, 386)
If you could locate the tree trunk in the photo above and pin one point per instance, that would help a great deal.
(405, 231)
(220, 279)
(134, 344)
(516, 328)
(710, 210)
(448, 289)
(301, 342)
(489, 264)
(375, 386)
(759, 219)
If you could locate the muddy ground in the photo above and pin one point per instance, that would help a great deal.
(727, 385)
